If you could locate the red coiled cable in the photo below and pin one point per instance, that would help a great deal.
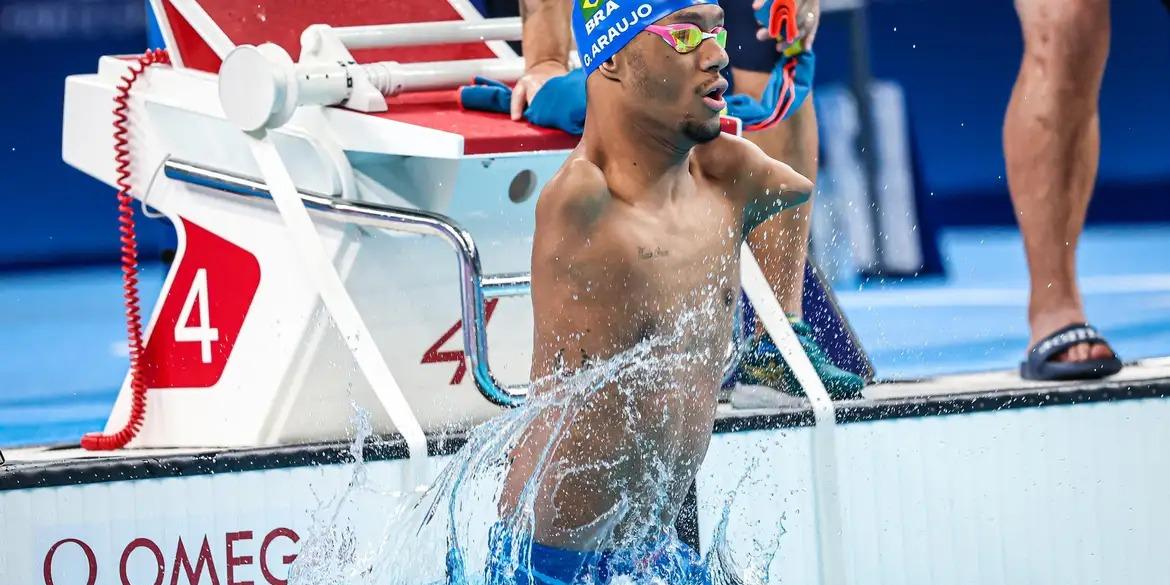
(100, 441)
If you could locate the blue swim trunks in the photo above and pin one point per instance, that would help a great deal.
(669, 561)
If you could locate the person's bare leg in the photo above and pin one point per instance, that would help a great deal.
(1051, 146)
(781, 243)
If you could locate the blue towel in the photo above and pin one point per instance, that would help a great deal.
(487, 95)
(787, 89)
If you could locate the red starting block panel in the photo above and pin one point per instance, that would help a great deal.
(282, 22)
(483, 132)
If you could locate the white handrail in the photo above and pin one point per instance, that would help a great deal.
(322, 275)
(429, 33)
(827, 495)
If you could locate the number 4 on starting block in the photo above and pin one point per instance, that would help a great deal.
(189, 348)
(203, 333)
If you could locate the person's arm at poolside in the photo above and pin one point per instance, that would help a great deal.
(547, 39)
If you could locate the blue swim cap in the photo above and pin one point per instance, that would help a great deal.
(603, 27)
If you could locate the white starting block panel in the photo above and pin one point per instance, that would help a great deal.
(239, 350)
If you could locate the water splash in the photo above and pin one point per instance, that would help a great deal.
(330, 546)
(444, 535)
(722, 564)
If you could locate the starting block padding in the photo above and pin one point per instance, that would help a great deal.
(483, 132)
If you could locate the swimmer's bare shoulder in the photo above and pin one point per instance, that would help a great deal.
(575, 198)
(568, 212)
(750, 176)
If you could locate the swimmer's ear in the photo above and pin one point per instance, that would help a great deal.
(611, 69)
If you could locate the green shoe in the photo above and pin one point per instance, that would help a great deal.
(763, 365)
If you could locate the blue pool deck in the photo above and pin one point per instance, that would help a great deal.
(63, 336)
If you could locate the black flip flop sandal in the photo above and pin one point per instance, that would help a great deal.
(1038, 367)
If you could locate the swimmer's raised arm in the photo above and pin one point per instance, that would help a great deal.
(763, 184)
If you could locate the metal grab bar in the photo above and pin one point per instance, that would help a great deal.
(506, 285)
(474, 287)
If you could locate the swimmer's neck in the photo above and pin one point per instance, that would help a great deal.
(639, 160)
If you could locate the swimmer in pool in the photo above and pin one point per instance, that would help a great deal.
(641, 226)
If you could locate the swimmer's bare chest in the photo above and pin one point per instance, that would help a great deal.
(668, 272)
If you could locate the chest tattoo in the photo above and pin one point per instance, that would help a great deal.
(648, 253)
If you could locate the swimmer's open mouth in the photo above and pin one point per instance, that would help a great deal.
(713, 97)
